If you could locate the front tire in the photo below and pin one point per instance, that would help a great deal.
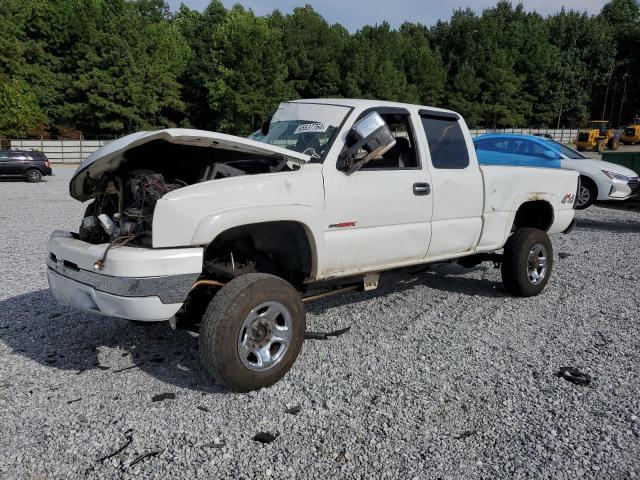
(252, 331)
(32, 175)
(599, 146)
(613, 144)
(587, 194)
(527, 262)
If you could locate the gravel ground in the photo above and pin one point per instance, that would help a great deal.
(442, 375)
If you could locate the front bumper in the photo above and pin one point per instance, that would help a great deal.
(136, 283)
(621, 190)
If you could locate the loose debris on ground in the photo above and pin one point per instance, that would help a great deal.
(163, 396)
(325, 336)
(129, 439)
(265, 437)
(575, 376)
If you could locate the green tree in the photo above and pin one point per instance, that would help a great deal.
(422, 65)
(313, 51)
(373, 68)
(198, 30)
(249, 72)
(20, 114)
(464, 95)
(126, 77)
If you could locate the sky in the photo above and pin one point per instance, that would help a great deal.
(353, 14)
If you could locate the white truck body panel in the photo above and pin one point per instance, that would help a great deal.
(368, 221)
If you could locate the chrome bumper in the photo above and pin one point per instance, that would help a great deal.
(169, 289)
(84, 297)
(136, 283)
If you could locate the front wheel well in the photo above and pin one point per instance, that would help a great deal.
(281, 248)
(589, 181)
(534, 214)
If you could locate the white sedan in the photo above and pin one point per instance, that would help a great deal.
(599, 180)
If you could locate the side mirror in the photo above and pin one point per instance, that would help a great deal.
(266, 123)
(370, 134)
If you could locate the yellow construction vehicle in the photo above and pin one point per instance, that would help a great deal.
(597, 136)
(631, 133)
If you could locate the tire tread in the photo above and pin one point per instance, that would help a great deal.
(514, 270)
(229, 298)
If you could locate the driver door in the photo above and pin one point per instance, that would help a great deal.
(380, 215)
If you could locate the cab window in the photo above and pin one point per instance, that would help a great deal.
(447, 144)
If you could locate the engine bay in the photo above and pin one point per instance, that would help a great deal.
(125, 199)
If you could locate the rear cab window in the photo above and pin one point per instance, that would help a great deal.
(446, 140)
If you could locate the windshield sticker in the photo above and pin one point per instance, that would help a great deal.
(311, 128)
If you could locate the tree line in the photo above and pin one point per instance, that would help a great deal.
(111, 67)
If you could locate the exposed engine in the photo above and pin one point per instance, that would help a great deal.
(125, 198)
(123, 208)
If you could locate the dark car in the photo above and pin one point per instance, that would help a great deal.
(30, 165)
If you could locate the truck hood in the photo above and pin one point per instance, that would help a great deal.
(109, 157)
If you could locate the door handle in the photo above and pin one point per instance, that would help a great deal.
(421, 189)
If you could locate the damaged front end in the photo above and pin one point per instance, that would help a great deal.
(123, 207)
(126, 178)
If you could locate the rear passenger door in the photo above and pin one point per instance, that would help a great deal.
(458, 192)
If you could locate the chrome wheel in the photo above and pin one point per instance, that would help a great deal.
(265, 336)
(584, 196)
(537, 264)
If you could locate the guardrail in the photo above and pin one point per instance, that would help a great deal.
(75, 151)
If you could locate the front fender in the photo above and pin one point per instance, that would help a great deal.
(196, 215)
(212, 226)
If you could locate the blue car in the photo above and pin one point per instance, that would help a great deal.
(519, 150)
(599, 180)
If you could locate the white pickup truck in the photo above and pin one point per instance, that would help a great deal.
(230, 236)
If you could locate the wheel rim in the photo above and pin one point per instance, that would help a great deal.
(265, 336)
(537, 264)
(584, 195)
(33, 175)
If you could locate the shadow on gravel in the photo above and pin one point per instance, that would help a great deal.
(598, 225)
(35, 326)
(443, 277)
(627, 205)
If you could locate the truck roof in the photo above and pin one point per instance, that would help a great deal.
(367, 103)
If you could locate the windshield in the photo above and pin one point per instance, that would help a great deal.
(566, 151)
(303, 127)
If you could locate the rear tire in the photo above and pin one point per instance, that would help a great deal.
(587, 194)
(32, 175)
(599, 146)
(252, 331)
(527, 262)
(613, 144)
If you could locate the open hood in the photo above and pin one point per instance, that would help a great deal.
(110, 157)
